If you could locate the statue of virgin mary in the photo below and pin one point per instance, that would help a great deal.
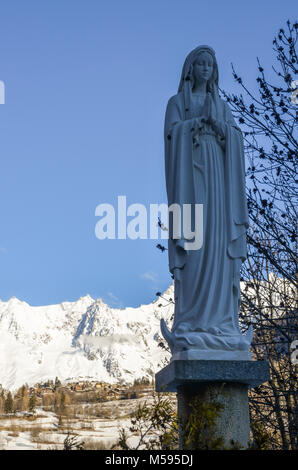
(204, 164)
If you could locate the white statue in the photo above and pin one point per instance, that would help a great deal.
(204, 161)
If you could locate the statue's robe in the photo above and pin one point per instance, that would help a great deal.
(207, 281)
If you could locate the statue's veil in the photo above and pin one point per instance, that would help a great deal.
(187, 82)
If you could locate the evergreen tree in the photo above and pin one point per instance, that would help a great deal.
(8, 404)
(57, 383)
(32, 404)
(62, 402)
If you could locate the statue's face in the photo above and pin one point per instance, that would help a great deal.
(203, 67)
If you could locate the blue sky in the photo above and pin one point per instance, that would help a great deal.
(87, 83)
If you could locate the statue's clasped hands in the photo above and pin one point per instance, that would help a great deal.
(216, 126)
(198, 124)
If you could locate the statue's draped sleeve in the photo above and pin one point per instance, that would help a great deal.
(178, 171)
(236, 204)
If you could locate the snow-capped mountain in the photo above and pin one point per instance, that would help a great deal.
(83, 339)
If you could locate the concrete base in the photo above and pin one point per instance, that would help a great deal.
(251, 373)
(213, 382)
(231, 426)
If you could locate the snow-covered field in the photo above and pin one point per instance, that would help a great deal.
(45, 431)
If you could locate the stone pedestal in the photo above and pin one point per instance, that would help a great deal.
(214, 395)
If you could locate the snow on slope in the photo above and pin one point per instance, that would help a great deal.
(83, 339)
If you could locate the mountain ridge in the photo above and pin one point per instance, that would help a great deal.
(81, 339)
